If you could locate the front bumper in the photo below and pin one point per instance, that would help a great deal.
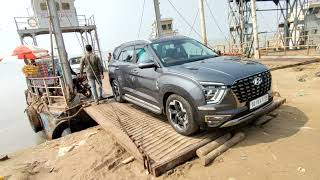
(237, 116)
(257, 113)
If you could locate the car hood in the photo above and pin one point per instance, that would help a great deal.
(222, 69)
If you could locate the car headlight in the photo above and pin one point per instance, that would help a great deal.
(214, 92)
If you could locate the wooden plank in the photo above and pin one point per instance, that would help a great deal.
(180, 157)
(159, 136)
(164, 146)
(296, 64)
(122, 138)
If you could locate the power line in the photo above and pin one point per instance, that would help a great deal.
(141, 18)
(181, 16)
(194, 22)
(215, 21)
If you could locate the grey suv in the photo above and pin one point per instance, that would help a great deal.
(189, 83)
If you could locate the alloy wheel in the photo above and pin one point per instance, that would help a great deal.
(116, 90)
(178, 115)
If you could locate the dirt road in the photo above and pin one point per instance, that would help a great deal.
(285, 148)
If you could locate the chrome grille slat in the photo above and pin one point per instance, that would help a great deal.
(245, 90)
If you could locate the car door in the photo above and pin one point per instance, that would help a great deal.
(125, 65)
(146, 79)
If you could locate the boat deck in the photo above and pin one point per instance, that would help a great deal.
(148, 137)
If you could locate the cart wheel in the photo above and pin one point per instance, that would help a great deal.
(34, 119)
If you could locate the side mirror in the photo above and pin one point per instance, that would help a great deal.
(147, 65)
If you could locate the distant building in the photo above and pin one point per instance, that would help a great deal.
(166, 28)
(312, 22)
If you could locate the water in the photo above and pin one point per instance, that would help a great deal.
(15, 131)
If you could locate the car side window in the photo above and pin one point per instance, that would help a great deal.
(143, 56)
(126, 55)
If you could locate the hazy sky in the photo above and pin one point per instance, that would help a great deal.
(118, 21)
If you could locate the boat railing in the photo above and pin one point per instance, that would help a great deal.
(24, 23)
(52, 89)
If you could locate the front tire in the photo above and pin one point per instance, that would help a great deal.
(180, 115)
(116, 89)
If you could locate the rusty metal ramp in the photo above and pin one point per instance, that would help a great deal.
(149, 138)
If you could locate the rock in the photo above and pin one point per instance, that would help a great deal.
(128, 160)
(302, 78)
(91, 134)
(298, 68)
(301, 169)
(243, 157)
(317, 74)
(4, 157)
(170, 172)
(62, 151)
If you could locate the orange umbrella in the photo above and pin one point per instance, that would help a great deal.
(29, 52)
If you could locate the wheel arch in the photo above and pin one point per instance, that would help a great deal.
(169, 90)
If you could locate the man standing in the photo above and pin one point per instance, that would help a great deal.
(92, 65)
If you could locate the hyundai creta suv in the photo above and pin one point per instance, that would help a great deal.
(189, 83)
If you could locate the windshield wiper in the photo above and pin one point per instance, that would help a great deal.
(204, 57)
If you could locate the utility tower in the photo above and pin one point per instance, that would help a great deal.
(241, 22)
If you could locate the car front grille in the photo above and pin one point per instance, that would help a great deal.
(245, 90)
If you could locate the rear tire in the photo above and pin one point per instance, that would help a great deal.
(180, 115)
(117, 93)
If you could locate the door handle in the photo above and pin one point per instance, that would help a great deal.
(116, 67)
(134, 71)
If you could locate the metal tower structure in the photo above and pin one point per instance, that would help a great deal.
(240, 26)
(240, 22)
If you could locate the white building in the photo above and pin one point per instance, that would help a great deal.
(66, 11)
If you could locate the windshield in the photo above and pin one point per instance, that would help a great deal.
(181, 51)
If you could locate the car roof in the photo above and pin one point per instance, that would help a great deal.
(168, 38)
(118, 49)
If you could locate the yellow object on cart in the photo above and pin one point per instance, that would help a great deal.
(30, 70)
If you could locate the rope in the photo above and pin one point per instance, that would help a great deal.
(141, 18)
(183, 18)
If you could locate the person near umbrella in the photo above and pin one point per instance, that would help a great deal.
(94, 70)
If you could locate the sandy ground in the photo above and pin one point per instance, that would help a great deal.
(285, 148)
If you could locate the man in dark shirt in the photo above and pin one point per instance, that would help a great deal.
(92, 65)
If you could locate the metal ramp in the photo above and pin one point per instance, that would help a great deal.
(149, 138)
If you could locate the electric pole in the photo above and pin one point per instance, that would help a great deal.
(158, 17)
(255, 29)
(286, 25)
(203, 23)
(63, 57)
